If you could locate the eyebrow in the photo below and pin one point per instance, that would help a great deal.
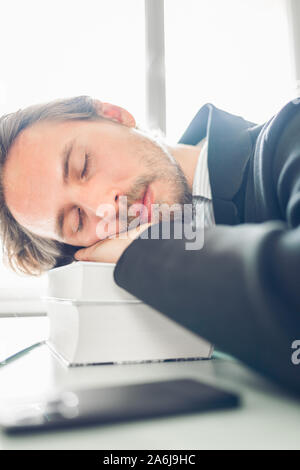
(65, 158)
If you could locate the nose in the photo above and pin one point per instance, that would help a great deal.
(92, 200)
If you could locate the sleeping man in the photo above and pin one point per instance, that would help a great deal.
(69, 168)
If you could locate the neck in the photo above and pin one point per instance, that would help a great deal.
(187, 157)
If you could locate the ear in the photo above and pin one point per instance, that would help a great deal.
(114, 113)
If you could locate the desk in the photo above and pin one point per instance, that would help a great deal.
(267, 419)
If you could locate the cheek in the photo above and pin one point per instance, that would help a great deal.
(118, 155)
(91, 238)
(121, 168)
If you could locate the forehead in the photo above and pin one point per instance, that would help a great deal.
(33, 169)
(43, 133)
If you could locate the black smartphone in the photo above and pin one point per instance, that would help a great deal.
(108, 405)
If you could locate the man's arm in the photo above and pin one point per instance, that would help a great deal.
(230, 292)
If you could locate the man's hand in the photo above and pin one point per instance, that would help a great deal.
(110, 249)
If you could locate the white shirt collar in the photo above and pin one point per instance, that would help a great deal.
(201, 183)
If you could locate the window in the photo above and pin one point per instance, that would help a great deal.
(234, 54)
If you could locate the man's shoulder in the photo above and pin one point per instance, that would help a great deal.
(276, 163)
(275, 126)
(210, 115)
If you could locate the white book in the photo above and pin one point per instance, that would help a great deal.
(85, 280)
(115, 329)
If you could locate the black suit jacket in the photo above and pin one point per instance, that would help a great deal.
(230, 146)
(241, 291)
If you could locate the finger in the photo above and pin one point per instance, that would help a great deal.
(84, 254)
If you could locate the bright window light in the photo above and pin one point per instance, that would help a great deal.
(234, 54)
(63, 48)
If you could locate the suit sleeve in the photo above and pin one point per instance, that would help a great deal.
(241, 291)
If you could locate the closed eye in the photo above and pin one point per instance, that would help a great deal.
(86, 166)
(80, 224)
(84, 173)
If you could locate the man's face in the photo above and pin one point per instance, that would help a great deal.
(58, 174)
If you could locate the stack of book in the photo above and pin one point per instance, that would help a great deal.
(94, 321)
